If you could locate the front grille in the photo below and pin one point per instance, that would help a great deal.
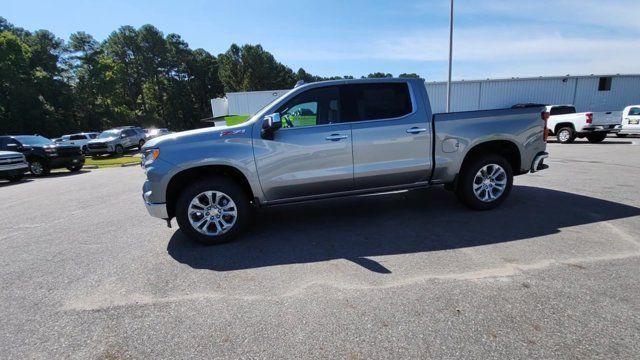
(68, 151)
(12, 161)
(97, 146)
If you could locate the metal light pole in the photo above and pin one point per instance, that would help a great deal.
(450, 58)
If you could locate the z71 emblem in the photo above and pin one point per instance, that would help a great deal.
(231, 132)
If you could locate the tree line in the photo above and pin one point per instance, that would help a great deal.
(134, 77)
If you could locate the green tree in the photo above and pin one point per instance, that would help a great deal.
(409, 75)
(378, 75)
(251, 68)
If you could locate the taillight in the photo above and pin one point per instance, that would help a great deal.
(545, 132)
(589, 118)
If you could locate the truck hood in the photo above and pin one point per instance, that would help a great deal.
(196, 135)
(102, 141)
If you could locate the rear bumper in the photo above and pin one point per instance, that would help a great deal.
(538, 162)
(601, 129)
(624, 131)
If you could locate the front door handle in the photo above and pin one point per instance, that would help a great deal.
(336, 137)
(416, 130)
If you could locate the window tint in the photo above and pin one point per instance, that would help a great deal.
(562, 110)
(93, 136)
(375, 101)
(634, 111)
(604, 84)
(129, 132)
(77, 137)
(312, 107)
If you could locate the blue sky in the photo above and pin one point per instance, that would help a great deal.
(493, 38)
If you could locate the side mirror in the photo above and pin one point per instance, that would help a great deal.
(270, 124)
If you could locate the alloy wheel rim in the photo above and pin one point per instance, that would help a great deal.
(36, 167)
(490, 182)
(564, 135)
(212, 213)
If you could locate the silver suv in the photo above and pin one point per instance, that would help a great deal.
(116, 141)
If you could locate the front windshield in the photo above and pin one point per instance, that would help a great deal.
(109, 134)
(262, 111)
(34, 140)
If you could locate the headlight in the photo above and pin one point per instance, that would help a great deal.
(149, 156)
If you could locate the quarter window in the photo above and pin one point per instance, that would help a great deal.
(313, 107)
(375, 101)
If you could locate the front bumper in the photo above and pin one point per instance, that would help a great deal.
(158, 210)
(62, 162)
(13, 170)
(538, 162)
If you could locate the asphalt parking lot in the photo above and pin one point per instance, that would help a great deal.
(553, 273)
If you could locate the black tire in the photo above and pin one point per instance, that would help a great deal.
(215, 183)
(74, 168)
(568, 138)
(85, 150)
(39, 168)
(622, 135)
(16, 178)
(596, 138)
(140, 144)
(119, 150)
(466, 181)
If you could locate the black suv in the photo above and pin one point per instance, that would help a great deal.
(43, 154)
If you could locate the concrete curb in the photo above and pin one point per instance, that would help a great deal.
(90, 167)
(130, 164)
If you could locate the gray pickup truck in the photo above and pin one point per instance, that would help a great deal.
(334, 139)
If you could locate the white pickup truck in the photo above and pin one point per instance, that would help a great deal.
(567, 124)
(630, 121)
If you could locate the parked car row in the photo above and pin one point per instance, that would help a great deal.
(39, 155)
(566, 124)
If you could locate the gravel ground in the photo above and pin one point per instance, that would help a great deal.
(553, 273)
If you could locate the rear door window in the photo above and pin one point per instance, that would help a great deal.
(634, 111)
(376, 101)
(562, 110)
(77, 137)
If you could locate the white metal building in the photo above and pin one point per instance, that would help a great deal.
(595, 93)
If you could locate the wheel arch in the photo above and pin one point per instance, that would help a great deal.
(189, 175)
(505, 148)
(561, 125)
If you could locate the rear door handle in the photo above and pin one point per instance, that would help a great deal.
(336, 137)
(416, 130)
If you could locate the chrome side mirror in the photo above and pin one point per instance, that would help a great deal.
(270, 124)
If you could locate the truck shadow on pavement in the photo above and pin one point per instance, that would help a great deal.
(391, 224)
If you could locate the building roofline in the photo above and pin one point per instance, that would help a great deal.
(535, 78)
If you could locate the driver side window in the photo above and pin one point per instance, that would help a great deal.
(313, 107)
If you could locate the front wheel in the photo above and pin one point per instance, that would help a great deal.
(596, 138)
(212, 211)
(38, 168)
(119, 150)
(485, 182)
(140, 144)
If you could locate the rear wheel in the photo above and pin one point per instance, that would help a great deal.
(212, 211)
(596, 138)
(38, 168)
(565, 135)
(485, 182)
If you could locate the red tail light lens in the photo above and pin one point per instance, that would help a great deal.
(545, 132)
(589, 118)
